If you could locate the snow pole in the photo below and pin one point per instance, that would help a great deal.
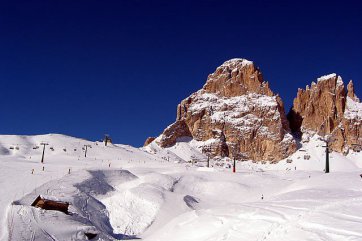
(208, 161)
(234, 166)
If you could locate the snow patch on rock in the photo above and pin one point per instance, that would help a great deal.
(353, 109)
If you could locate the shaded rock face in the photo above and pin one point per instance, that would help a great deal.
(235, 114)
(327, 108)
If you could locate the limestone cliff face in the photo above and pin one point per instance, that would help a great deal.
(235, 114)
(327, 108)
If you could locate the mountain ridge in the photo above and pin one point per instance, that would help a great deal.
(237, 115)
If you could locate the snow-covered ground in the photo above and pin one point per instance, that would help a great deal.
(120, 192)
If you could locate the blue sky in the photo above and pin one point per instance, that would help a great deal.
(85, 68)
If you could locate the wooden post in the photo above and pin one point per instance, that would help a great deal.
(327, 141)
(327, 157)
(234, 166)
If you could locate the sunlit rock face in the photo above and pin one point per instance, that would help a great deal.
(235, 114)
(329, 109)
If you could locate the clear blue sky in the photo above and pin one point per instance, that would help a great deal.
(85, 68)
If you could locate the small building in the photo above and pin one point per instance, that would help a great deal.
(48, 204)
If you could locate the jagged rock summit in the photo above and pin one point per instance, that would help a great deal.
(235, 114)
(327, 108)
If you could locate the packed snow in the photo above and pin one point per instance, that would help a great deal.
(120, 192)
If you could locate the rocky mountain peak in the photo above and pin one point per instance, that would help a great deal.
(327, 108)
(235, 114)
(237, 77)
(320, 106)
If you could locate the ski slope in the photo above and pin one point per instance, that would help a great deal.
(120, 192)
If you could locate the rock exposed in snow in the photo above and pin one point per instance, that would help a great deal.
(149, 140)
(327, 108)
(235, 114)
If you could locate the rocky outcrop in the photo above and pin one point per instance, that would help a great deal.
(149, 140)
(235, 114)
(174, 132)
(319, 107)
(350, 91)
(328, 109)
(351, 125)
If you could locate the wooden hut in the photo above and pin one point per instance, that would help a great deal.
(48, 204)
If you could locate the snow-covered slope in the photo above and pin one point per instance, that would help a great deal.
(120, 192)
(21, 155)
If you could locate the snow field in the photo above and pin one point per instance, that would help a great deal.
(157, 197)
